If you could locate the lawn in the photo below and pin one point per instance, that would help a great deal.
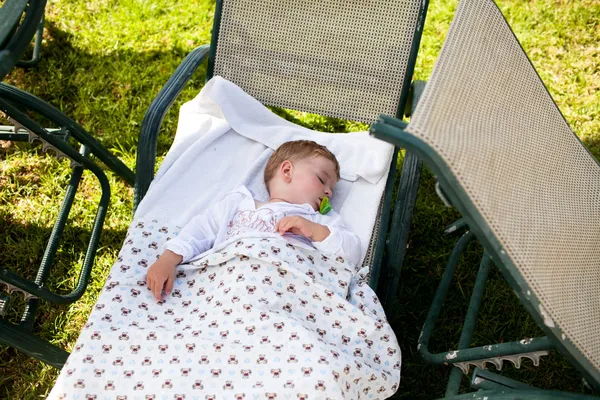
(104, 61)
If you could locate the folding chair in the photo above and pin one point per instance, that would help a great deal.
(311, 58)
(66, 139)
(527, 189)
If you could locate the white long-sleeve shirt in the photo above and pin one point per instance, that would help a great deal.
(236, 215)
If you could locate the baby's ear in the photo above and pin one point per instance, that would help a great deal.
(286, 170)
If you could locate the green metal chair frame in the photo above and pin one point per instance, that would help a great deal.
(37, 47)
(20, 20)
(507, 160)
(224, 60)
(18, 105)
(68, 140)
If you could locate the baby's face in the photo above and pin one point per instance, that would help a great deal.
(313, 178)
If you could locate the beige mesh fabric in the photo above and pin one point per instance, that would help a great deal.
(341, 58)
(489, 116)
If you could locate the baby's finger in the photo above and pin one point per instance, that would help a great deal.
(150, 276)
(169, 285)
(157, 289)
(280, 225)
(285, 226)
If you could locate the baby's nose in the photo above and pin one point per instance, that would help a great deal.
(327, 192)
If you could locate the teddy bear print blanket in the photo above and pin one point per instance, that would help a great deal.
(256, 319)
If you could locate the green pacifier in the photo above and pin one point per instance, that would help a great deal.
(325, 206)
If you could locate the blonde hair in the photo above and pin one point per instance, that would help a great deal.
(295, 151)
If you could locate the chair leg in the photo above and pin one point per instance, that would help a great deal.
(487, 380)
(403, 210)
(470, 319)
(37, 47)
(52, 246)
(32, 345)
(402, 217)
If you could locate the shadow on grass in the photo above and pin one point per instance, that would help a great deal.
(106, 93)
(593, 145)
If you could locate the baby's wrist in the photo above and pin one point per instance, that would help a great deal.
(322, 232)
(171, 257)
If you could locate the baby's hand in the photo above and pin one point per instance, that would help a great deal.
(301, 226)
(161, 274)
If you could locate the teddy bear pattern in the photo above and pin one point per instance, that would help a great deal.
(257, 319)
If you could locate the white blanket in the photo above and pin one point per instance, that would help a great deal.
(224, 139)
(259, 319)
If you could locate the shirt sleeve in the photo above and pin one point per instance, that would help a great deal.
(340, 241)
(199, 234)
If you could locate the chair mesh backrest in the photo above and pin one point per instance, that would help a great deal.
(338, 58)
(488, 115)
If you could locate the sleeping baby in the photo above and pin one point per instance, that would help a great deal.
(298, 175)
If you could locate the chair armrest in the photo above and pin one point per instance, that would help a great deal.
(146, 156)
(37, 105)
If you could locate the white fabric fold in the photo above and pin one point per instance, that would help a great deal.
(224, 139)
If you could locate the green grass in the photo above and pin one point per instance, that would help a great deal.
(104, 61)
